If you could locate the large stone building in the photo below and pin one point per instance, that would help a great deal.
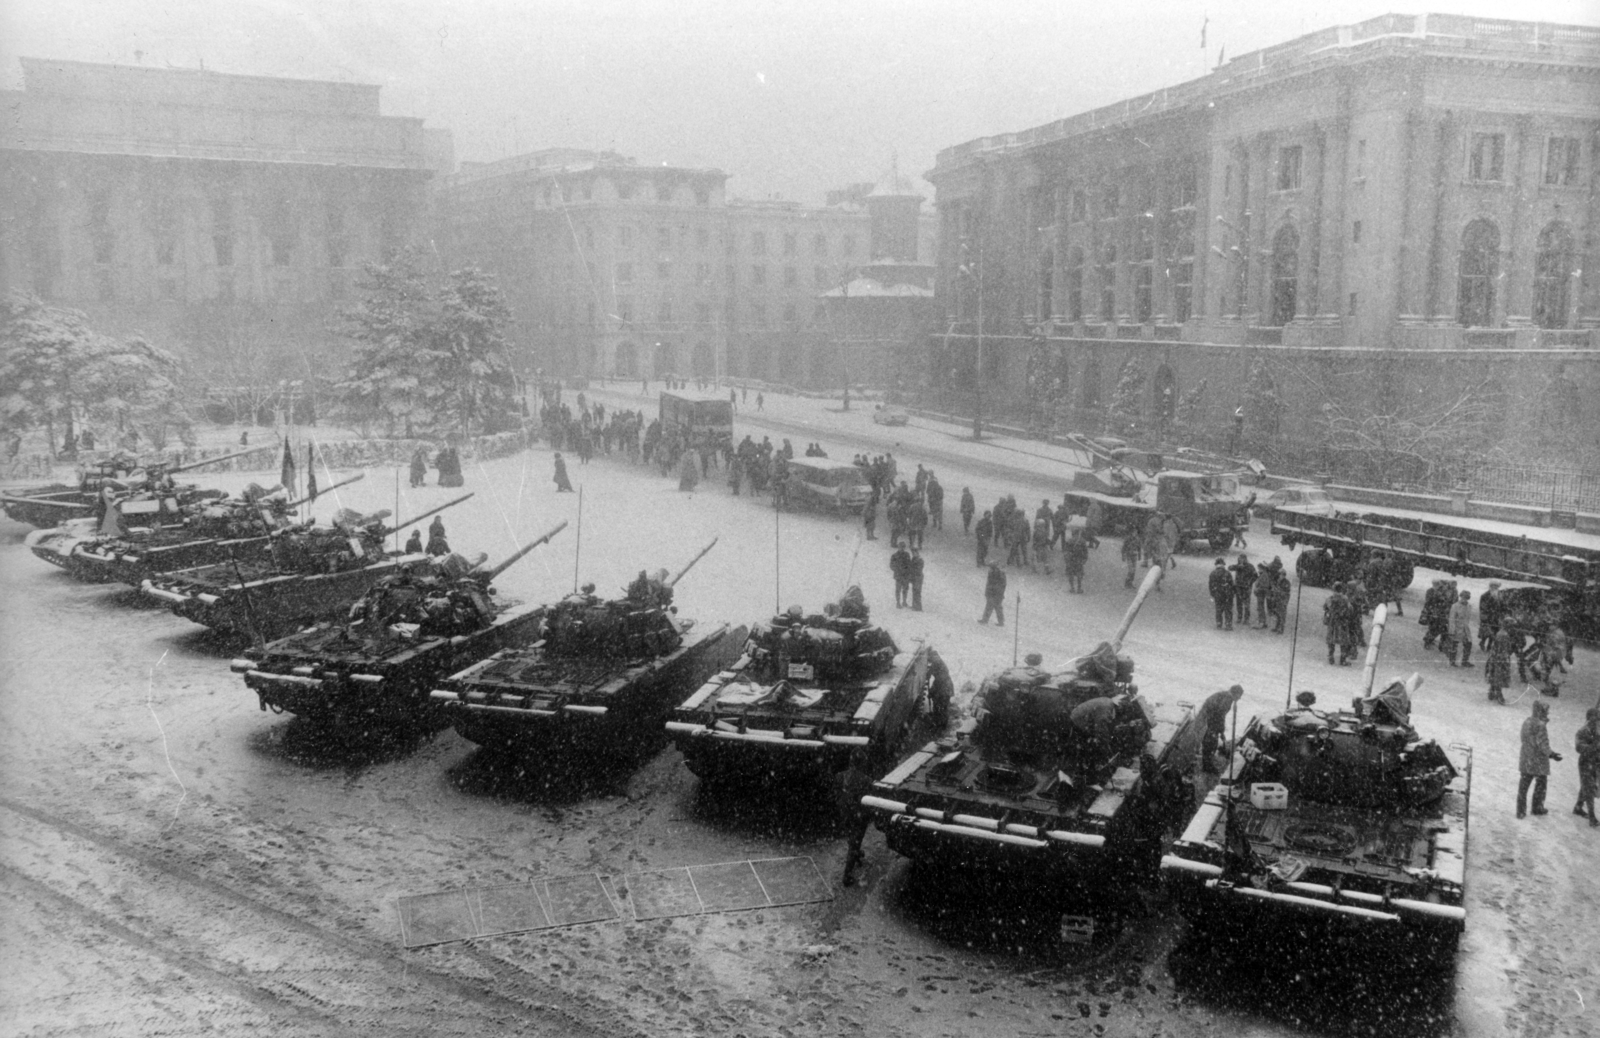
(616, 268)
(227, 213)
(1406, 206)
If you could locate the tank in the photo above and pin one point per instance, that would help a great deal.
(1022, 790)
(52, 506)
(601, 668)
(410, 630)
(1348, 818)
(146, 535)
(302, 575)
(805, 693)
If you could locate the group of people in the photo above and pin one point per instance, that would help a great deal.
(1536, 755)
(1232, 589)
(447, 461)
(911, 507)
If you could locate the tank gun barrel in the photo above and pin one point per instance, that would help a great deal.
(174, 469)
(418, 518)
(697, 558)
(520, 552)
(1152, 577)
(336, 486)
(1369, 669)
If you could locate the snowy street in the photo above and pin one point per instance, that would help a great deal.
(177, 861)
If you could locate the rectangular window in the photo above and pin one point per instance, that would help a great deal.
(1227, 182)
(1355, 231)
(1486, 161)
(702, 313)
(1352, 309)
(702, 238)
(791, 277)
(758, 243)
(664, 312)
(1110, 200)
(758, 275)
(1561, 162)
(791, 244)
(849, 245)
(1080, 207)
(664, 238)
(789, 315)
(702, 273)
(1289, 168)
(224, 246)
(1361, 158)
(625, 236)
(758, 315)
(165, 248)
(664, 271)
(819, 244)
(732, 275)
(624, 274)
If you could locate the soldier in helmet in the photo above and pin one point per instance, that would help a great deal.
(853, 605)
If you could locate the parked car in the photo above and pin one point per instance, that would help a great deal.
(885, 414)
(1313, 500)
(820, 483)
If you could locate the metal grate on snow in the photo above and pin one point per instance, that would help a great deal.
(543, 904)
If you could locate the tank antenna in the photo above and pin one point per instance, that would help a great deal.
(1294, 643)
(1016, 627)
(578, 552)
(777, 565)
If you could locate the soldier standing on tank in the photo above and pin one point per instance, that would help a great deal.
(1220, 585)
(984, 531)
(1213, 722)
(914, 570)
(968, 507)
(563, 484)
(1244, 580)
(437, 545)
(994, 595)
(1130, 555)
(900, 569)
(935, 496)
(414, 543)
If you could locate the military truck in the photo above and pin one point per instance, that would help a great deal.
(1067, 779)
(1347, 818)
(699, 419)
(1195, 506)
(401, 637)
(301, 575)
(607, 670)
(805, 693)
(121, 474)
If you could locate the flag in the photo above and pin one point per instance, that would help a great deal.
(286, 476)
(311, 472)
(1203, 31)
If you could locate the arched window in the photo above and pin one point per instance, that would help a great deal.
(1047, 283)
(1074, 284)
(1285, 275)
(627, 365)
(1552, 269)
(1108, 282)
(666, 359)
(1480, 264)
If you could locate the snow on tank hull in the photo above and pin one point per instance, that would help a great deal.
(105, 560)
(743, 726)
(326, 675)
(270, 601)
(1019, 794)
(1280, 842)
(44, 507)
(524, 700)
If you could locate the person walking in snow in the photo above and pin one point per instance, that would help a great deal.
(994, 595)
(1588, 744)
(900, 569)
(563, 484)
(1535, 759)
(968, 507)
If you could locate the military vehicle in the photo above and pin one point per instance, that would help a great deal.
(610, 669)
(1067, 779)
(303, 574)
(1347, 817)
(193, 534)
(401, 637)
(54, 505)
(807, 691)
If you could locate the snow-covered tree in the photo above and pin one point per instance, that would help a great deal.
(1127, 399)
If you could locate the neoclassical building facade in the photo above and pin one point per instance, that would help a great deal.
(1416, 190)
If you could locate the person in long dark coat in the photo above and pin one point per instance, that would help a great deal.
(968, 507)
(900, 569)
(419, 467)
(935, 495)
(1220, 585)
(1075, 555)
(563, 484)
(1588, 745)
(437, 545)
(1497, 669)
(414, 543)
(914, 570)
(1534, 762)
(994, 595)
(985, 531)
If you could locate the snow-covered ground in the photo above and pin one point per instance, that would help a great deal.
(175, 861)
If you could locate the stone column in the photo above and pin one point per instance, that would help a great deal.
(1411, 251)
(1160, 279)
(1256, 240)
(1513, 300)
(1333, 226)
(1312, 185)
(1444, 149)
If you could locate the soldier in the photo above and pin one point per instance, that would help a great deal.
(1094, 522)
(855, 783)
(1435, 617)
(853, 604)
(437, 545)
(414, 543)
(1074, 556)
(869, 516)
(1130, 555)
(1220, 584)
(994, 594)
(916, 522)
(968, 506)
(900, 569)
(1588, 745)
(1460, 630)
(1335, 616)
(1489, 612)
(1497, 669)
(1041, 542)
(1265, 578)
(563, 484)
(1278, 598)
(914, 573)
(419, 467)
(1058, 523)
(985, 532)
(1002, 517)
(1244, 580)
(1535, 758)
(935, 495)
(1213, 722)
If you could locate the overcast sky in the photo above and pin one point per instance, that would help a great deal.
(789, 97)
